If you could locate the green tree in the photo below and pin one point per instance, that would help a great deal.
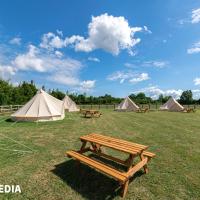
(186, 97)
(163, 99)
(5, 92)
(26, 91)
(58, 94)
(141, 98)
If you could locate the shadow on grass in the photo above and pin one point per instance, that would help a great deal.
(9, 120)
(108, 162)
(88, 182)
(89, 117)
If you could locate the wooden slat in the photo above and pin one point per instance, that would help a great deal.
(149, 154)
(120, 176)
(133, 170)
(142, 157)
(91, 113)
(131, 147)
(119, 140)
(109, 144)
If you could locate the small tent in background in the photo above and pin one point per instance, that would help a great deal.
(172, 105)
(42, 107)
(127, 105)
(70, 105)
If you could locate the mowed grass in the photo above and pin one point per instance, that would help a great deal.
(43, 172)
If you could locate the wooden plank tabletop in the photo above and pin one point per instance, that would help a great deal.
(90, 111)
(117, 144)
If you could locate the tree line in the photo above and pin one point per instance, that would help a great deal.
(20, 94)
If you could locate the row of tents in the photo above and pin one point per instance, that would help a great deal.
(128, 105)
(44, 107)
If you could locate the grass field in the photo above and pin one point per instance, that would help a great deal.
(32, 155)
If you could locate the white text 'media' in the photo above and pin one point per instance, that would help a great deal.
(10, 189)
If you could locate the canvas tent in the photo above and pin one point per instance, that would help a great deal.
(127, 105)
(70, 105)
(42, 107)
(172, 105)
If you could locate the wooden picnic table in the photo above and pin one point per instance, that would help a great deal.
(97, 144)
(91, 113)
(143, 110)
(189, 110)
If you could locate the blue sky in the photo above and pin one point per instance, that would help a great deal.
(98, 47)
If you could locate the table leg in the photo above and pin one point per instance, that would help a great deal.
(83, 146)
(145, 166)
(94, 147)
(125, 188)
(130, 161)
(98, 148)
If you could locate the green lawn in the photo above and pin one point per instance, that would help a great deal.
(43, 171)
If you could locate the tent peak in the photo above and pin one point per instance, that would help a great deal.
(40, 91)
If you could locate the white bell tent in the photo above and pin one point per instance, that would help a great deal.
(127, 105)
(70, 105)
(172, 105)
(42, 107)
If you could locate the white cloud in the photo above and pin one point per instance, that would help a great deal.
(64, 79)
(50, 62)
(133, 77)
(87, 85)
(155, 91)
(73, 40)
(59, 54)
(30, 60)
(197, 81)
(174, 93)
(16, 40)
(112, 34)
(6, 71)
(183, 21)
(40, 61)
(155, 63)
(196, 94)
(195, 16)
(129, 65)
(139, 78)
(84, 86)
(194, 49)
(147, 30)
(59, 32)
(121, 76)
(93, 59)
(109, 33)
(51, 41)
(151, 63)
(55, 68)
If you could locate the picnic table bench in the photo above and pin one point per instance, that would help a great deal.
(143, 110)
(189, 110)
(97, 142)
(90, 113)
